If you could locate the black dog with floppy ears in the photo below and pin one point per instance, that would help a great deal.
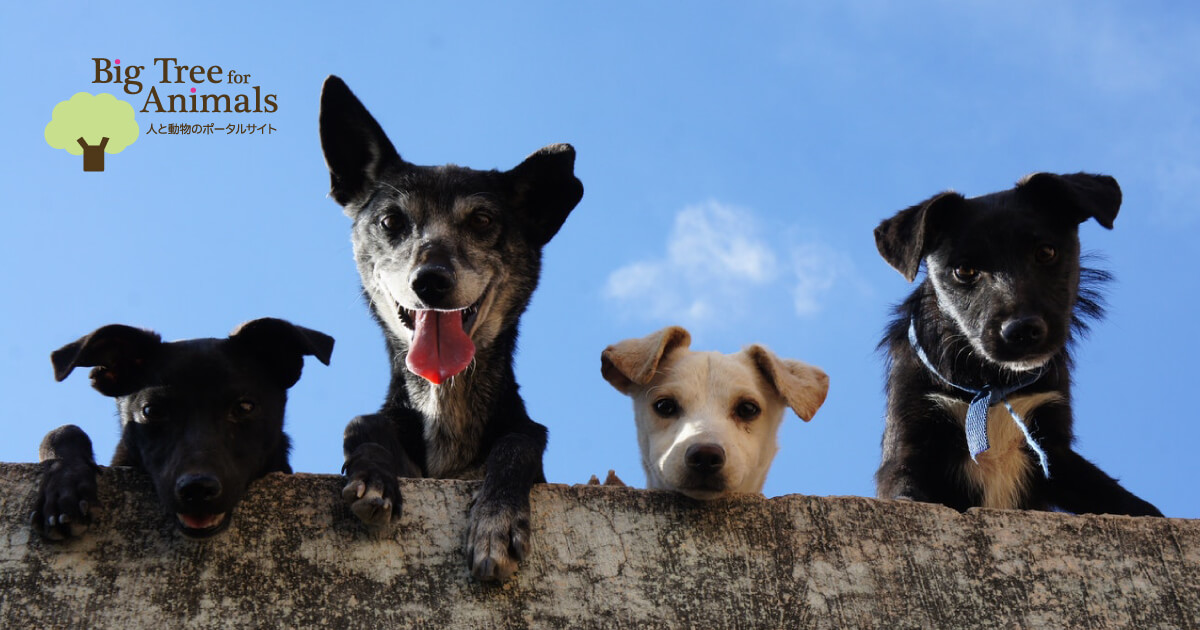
(202, 417)
(979, 400)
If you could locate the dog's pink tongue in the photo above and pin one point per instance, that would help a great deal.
(440, 347)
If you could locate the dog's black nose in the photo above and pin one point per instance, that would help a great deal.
(705, 458)
(432, 283)
(1024, 332)
(192, 488)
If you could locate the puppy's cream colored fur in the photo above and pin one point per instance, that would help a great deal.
(730, 404)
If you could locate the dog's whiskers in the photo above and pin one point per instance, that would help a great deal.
(399, 193)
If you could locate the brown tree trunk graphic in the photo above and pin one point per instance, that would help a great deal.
(93, 156)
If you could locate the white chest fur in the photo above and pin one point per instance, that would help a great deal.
(452, 433)
(1002, 473)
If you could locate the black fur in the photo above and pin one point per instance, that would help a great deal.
(442, 239)
(1004, 293)
(203, 417)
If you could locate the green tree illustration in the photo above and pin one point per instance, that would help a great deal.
(91, 126)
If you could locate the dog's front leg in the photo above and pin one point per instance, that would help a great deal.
(499, 534)
(66, 499)
(923, 455)
(897, 480)
(1079, 486)
(375, 458)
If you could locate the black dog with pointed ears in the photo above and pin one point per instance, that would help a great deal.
(979, 400)
(449, 258)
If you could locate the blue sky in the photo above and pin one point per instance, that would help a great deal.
(735, 161)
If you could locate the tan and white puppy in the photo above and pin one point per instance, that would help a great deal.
(707, 421)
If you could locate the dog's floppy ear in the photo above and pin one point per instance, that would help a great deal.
(282, 346)
(356, 149)
(803, 386)
(546, 189)
(634, 361)
(902, 240)
(118, 355)
(1083, 195)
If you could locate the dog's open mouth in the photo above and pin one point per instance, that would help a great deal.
(1027, 365)
(703, 487)
(201, 525)
(441, 344)
(469, 315)
(702, 493)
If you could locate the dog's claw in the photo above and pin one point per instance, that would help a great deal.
(520, 542)
(373, 512)
(372, 492)
(353, 491)
(485, 570)
(369, 504)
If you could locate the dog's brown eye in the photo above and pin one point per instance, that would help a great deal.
(746, 410)
(151, 412)
(244, 407)
(1046, 254)
(480, 221)
(392, 222)
(666, 407)
(965, 274)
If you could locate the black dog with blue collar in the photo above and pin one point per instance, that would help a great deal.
(979, 410)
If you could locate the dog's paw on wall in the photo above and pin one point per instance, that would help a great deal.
(611, 480)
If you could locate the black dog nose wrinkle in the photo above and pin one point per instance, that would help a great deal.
(705, 458)
(432, 283)
(192, 488)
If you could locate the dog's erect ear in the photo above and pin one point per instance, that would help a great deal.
(634, 361)
(118, 355)
(546, 189)
(902, 240)
(282, 346)
(1083, 195)
(356, 149)
(803, 386)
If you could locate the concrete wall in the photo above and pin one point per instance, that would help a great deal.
(603, 557)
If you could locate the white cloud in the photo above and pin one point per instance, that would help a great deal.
(815, 275)
(717, 242)
(633, 280)
(718, 265)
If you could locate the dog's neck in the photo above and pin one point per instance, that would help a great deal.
(455, 414)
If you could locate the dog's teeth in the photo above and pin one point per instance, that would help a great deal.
(468, 313)
(406, 316)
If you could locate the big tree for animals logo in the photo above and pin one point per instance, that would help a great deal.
(91, 126)
(94, 124)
